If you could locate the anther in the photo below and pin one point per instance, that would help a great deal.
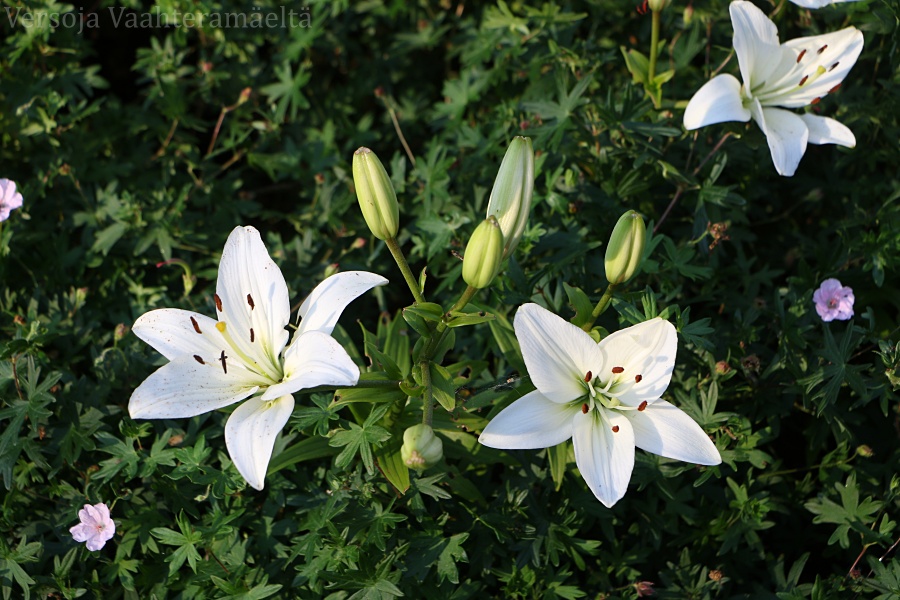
(834, 89)
(822, 49)
(800, 56)
(584, 409)
(615, 428)
(642, 406)
(638, 377)
(251, 335)
(802, 81)
(815, 100)
(196, 326)
(250, 302)
(618, 370)
(224, 366)
(218, 302)
(199, 360)
(588, 377)
(834, 66)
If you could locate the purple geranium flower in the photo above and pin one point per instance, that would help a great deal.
(96, 526)
(9, 198)
(834, 301)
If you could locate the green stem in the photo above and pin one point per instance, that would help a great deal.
(601, 306)
(427, 398)
(442, 330)
(654, 46)
(397, 253)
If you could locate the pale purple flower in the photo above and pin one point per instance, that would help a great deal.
(834, 301)
(96, 527)
(9, 198)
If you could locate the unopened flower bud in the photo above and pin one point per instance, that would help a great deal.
(688, 14)
(421, 448)
(656, 5)
(510, 200)
(376, 195)
(484, 253)
(626, 248)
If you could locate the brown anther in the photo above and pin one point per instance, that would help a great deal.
(222, 359)
(802, 81)
(618, 370)
(638, 377)
(196, 326)
(588, 377)
(815, 100)
(834, 66)
(250, 301)
(218, 302)
(834, 89)
(822, 49)
(615, 428)
(252, 337)
(584, 409)
(800, 56)
(199, 360)
(642, 406)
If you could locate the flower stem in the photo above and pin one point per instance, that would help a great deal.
(654, 45)
(397, 253)
(601, 306)
(427, 398)
(442, 329)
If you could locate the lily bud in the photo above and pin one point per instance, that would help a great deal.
(484, 253)
(510, 200)
(626, 248)
(376, 195)
(421, 448)
(656, 5)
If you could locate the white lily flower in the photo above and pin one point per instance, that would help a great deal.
(818, 3)
(605, 396)
(244, 352)
(793, 74)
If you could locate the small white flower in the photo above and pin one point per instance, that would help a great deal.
(96, 526)
(793, 74)
(605, 396)
(818, 3)
(244, 353)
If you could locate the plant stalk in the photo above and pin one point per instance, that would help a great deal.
(400, 259)
(654, 45)
(601, 306)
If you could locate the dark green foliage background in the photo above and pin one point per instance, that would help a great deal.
(108, 133)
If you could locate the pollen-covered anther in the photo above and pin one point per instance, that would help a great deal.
(834, 89)
(222, 358)
(822, 49)
(196, 325)
(834, 66)
(618, 370)
(642, 406)
(615, 428)
(802, 81)
(252, 337)
(815, 100)
(218, 302)
(588, 377)
(199, 360)
(638, 377)
(250, 302)
(800, 56)
(584, 409)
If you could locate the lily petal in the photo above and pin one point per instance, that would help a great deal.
(558, 354)
(254, 296)
(818, 3)
(786, 134)
(823, 130)
(604, 457)
(314, 358)
(531, 422)
(647, 349)
(755, 42)
(668, 431)
(250, 435)
(185, 388)
(324, 305)
(718, 101)
(171, 332)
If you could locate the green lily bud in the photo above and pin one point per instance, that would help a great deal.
(510, 200)
(484, 253)
(626, 248)
(421, 448)
(656, 5)
(376, 195)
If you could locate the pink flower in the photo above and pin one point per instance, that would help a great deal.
(834, 301)
(9, 198)
(96, 526)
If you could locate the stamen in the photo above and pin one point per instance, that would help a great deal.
(224, 366)
(642, 406)
(250, 302)
(251, 335)
(196, 326)
(618, 370)
(834, 89)
(588, 377)
(802, 81)
(584, 408)
(800, 56)
(815, 100)
(834, 66)
(638, 377)
(199, 360)
(615, 428)
(822, 49)
(218, 302)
